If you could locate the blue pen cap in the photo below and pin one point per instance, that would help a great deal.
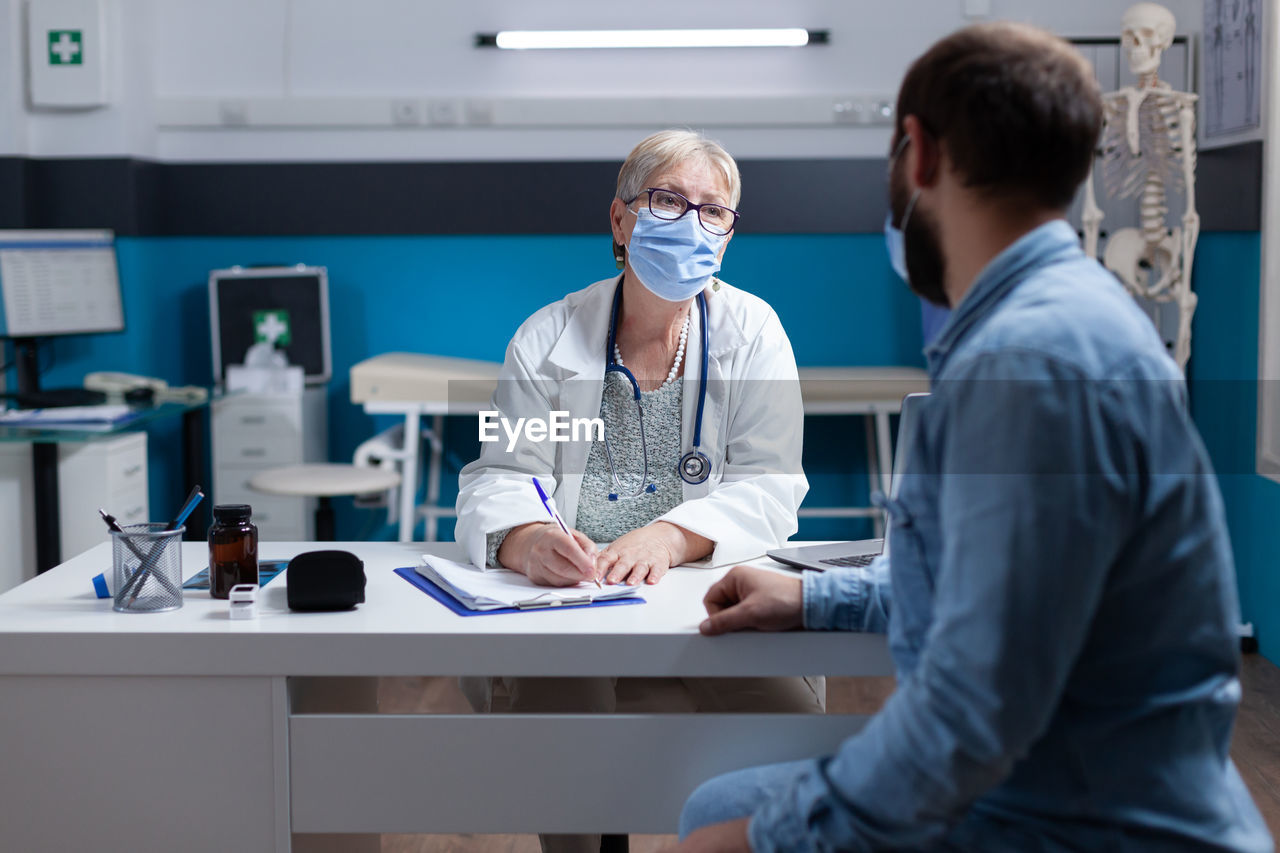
(542, 494)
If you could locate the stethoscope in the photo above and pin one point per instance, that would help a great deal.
(694, 467)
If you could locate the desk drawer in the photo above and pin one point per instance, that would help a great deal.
(279, 518)
(127, 471)
(108, 466)
(520, 773)
(131, 506)
(258, 410)
(264, 450)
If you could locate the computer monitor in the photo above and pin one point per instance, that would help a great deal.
(59, 283)
(290, 305)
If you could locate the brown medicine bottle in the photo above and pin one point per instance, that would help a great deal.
(233, 549)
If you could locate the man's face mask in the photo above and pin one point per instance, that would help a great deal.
(913, 244)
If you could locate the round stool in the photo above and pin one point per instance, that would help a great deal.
(323, 481)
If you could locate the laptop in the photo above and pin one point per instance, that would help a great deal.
(859, 552)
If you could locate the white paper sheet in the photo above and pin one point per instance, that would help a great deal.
(494, 588)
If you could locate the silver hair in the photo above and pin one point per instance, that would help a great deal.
(667, 149)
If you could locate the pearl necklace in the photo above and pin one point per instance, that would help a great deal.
(675, 368)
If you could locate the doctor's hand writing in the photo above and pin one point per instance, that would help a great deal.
(546, 556)
(646, 554)
(748, 598)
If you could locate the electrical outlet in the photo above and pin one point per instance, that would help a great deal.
(233, 113)
(443, 112)
(862, 110)
(479, 111)
(406, 112)
(849, 111)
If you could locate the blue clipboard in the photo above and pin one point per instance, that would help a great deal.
(431, 589)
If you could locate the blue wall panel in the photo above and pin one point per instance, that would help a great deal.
(465, 296)
(1224, 376)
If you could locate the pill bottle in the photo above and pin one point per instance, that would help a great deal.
(233, 549)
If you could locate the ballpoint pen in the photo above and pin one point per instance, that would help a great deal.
(193, 497)
(114, 527)
(546, 502)
(139, 577)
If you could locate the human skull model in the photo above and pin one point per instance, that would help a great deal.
(1147, 33)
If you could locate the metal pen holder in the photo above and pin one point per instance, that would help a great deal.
(147, 562)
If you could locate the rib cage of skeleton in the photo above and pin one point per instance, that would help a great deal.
(1142, 155)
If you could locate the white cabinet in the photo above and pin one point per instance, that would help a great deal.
(110, 473)
(254, 432)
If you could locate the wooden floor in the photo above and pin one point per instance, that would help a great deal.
(1255, 748)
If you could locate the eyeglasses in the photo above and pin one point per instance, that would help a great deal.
(669, 205)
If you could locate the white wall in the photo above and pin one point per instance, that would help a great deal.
(171, 51)
(13, 122)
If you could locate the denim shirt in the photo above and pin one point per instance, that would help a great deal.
(1059, 596)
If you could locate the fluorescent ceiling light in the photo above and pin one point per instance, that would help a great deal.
(561, 39)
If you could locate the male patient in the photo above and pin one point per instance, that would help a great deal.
(1059, 592)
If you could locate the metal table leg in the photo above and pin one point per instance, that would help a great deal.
(193, 472)
(409, 475)
(873, 471)
(435, 465)
(44, 467)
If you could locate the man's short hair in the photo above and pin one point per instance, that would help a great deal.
(1016, 108)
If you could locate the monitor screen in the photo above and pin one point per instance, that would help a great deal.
(287, 305)
(59, 283)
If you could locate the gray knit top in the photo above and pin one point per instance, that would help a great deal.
(605, 520)
(600, 518)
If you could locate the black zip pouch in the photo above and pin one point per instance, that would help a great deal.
(325, 580)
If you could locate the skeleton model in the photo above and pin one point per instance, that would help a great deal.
(1148, 149)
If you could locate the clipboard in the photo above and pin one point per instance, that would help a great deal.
(431, 589)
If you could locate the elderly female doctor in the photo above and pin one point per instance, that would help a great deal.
(695, 384)
(696, 387)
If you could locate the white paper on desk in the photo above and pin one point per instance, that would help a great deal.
(491, 589)
(85, 418)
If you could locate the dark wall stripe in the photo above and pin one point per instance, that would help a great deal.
(140, 197)
(1229, 188)
(13, 190)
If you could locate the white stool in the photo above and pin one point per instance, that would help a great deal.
(323, 481)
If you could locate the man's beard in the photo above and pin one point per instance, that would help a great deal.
(926, 267)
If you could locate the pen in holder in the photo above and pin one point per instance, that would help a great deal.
(147, 562)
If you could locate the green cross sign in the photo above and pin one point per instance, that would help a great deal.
(271, 327)
(66, 47)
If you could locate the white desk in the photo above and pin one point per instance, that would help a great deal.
(174, 731)
(434, 386)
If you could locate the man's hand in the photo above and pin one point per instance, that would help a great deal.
(728, 837)
(753, 598)
(546, 556)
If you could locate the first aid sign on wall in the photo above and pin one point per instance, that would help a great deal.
(67, 53)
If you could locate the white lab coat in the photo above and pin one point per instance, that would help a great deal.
(752, 425)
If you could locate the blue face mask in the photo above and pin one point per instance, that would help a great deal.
(896, 243)
(896, 247)
(674, 259)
